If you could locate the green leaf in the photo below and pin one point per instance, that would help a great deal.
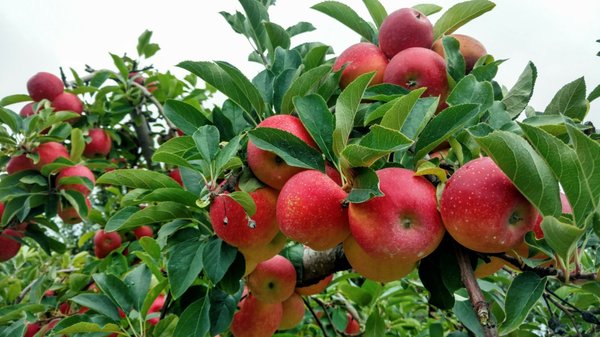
(315, 56)
(137, 178)
(375, 326)
(588, 152)
(184, 263)
(14, 312)
(444, 125)
(12, 99)
(185, 116)
(436, 330)
(525, 168)
(458, 15)
(217, 256)
(339, 319)
(245, 200)
(170, 194)
(77, 200)
(397, 114)
(207, 142)
(89, 328)
(77, 144)
(469, 90)
(347, 16)
(150, 246)
(570, 101)
(303, 86)
(143, 41)
(177, 151)
(278, 36)
(318, 120)
(163, 212)
(519, 95)
(11, 119)
(379, 142)
(120, 64)
(245, 86)
(117, 220)
(152, 295)
(365, 186)
(561, 237)
(116, 289)
(591, 97)
(222, 308)
(299, 28)
(455, 62)
(523, 293)
(137, 282)
(384, 92)
(427, 9)
(195, 320)
(288, 147)
(377, 11)
(256, 13)
(466, 315)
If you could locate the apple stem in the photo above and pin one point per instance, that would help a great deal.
(481, 307)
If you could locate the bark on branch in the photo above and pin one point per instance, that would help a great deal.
(319, 264)
(547, 271)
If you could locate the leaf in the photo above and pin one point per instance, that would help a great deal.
(217, 256)
(523, 293)
(458, 15)
(170, 194)
(120, 64)
(466, 315)
(245, 200)
(137, 282)
(377, 11)
(469, 90)
(375, 326)
(245, 86)
(117, 220)
(137, 178)
(427, 9)
(195, 320)
(588, 152)
(347, 16)
(89, 328)
(184, 263)
(379, 142)
(561, 237)
(429, 168)
(256, 14)
(365, 186)
(591, 97)
(10, 118)
(114, 288)
(163, 212)
(397, 114)
(14, 312)
(177, 151)
(222, 308)
(278, 36)
(207, 142)
(185, 116)
(150, 246)
(570, 101)
(77, 144)
(519, 95)
(288, 147)
(12, 99)
(299, 28)
(302, 86)
(455, 62)
(419, 116)
(318, 120)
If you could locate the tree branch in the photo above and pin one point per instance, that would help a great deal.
(319, 264)
(154, 101)
(143, 134)
(547, 271)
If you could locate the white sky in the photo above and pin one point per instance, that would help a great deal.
(41, 35)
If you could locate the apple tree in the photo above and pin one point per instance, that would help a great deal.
(391, 189)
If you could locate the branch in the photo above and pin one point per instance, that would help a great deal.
(143, 134)
(547, 271)
(154, 101)
(316, 265)
(307, 304)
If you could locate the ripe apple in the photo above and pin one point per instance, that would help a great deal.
(65, 308)
(76, 171)
(267, 166)
(32, 329)
(9, 246)
(264, 252)
(231, 223)
(311, 210)
(483, 210)
(352, 328)
(273, 280)
(69, 214)
(137, 77)
(256, 318)
(418, 67)
(175, 174)
(379, 269)
(403, 29)
(67, 102)
(316, 288)
(105, 243)
(49, 152)
(470, 48)
(361, 58)
(293, 312)
(156, 306)
(27, 110)
(404, 223)
(99, 145)
(48, 327)
(143, 231)
(19, 163)
(44, 86)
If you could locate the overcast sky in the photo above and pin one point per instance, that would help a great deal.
(41, 35)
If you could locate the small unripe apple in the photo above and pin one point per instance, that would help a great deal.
(403, 29)
(360, 59)
(175, 174)
(273, 280)
(105, 243)
(49, 152)
(69, 214)
(19, 163)
(67, 102)
(256, 318)
(156, 306)
(44, 85)
(142, 231)
(99, 145)
(27, 110)
(76, 171)
(316, 288)
(293, 312)
(470, 48)
(9, 245)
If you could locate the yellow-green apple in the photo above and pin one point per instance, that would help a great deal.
(19, 163)
(256, 318)
(175, 174)
(404, 223)
(156, 306)
(418, 67)
(99, 145)
(361, 58)
(44, 85)
(69, 214)
(142, 231)
(67, 102)
(9, 244)
(483, 210)
(75, 171)
(293, 312)
(379, 269)
(255, 254)
(27, 110)
(49, 152)
(105, 243)
(316, 288)
(272, 280)
(32, 329)
(311, 210)
(267, 166)
(352, 328)
(231, 223)
(470, 48)
(403, 29)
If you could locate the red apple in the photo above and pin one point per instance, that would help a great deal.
(267, 166)
(273, 280)
(418, 67)
(99, 145)
(105, 243)
(256, 318)
(137, 77)
(175, 174)
(48, 327)
(256, 254)
(49, 152)
(9, 246)
(44, 86)
(471, 49)
(19, 163)
(352, 328)
(65, 308)
(32, 329)
(483, 210)
(67, 102)
(566, 208)
(311, 210)
(27, 110)
(156, 306)
(404, 223)
(143, 231)
(403, 29)
(333, 174)
(76, 171)
(316, 288)
(69, 214)
(231, 223)
(293, 312)
(361, 58)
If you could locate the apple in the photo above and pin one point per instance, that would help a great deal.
(76, 171)
(471, 49)
(137, 77)
(403, 29)
(379, 269)
(32, 329)
(311, 210)
(99, 145)
(293, 312)
(48, 327)
(105, 243)
(231, 223)
(361, 58)
(267, 166)
(486, 269)
(175, 174)
(352, 328)
(256, 318)
(69, 214)
(49, 152)
(566, 208)
(27, 110)
(418, 67)
(156, 306)
(19, 163)
(67, 102)
(273, 280)
(44, 86)
(143, 231)
(9, 246)
(402, 224)
(332, 173)
(316, 288)
(483, 210)
(264, 252)
(65, 308)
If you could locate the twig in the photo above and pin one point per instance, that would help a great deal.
(546, 271)
(24, 292)
(319, 323)
(163, 310)
(567, 312)
(154, 101)
(143, 134)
